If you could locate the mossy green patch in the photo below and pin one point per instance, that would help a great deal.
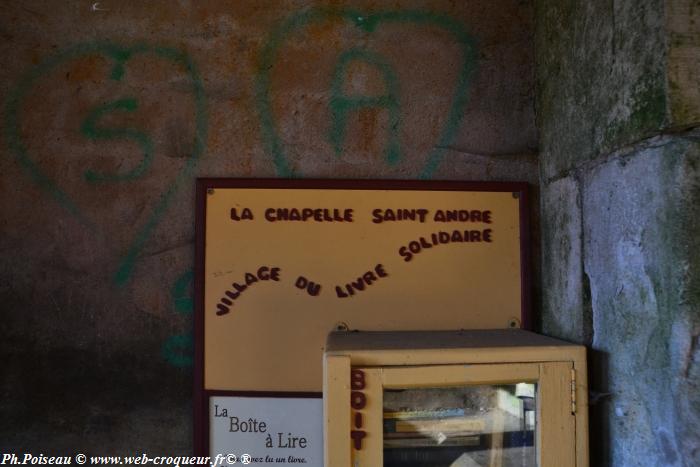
(648, 113)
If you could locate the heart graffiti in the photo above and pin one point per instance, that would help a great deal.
(341, 104)
(119, 57)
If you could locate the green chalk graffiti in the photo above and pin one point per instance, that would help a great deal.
(177, 350)
(94, 132)
(369, 23)
(342, 105)
(181, 293)
(120, 56)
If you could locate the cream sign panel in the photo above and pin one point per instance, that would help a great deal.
(282, 266)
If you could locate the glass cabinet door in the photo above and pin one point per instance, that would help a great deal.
(460, 426)
(501, 415)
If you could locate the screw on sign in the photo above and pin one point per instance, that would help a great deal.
(358, 401)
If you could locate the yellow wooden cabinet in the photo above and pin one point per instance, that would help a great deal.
(486, 398)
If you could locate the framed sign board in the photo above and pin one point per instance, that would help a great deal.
(281, 263)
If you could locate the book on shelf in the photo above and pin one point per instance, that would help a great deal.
(418, 414)
(435, 425)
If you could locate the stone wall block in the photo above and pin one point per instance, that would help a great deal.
(638, 214)
(562, 262)
(601, 78)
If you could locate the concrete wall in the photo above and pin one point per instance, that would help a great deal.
(617, 108)
(111, 109)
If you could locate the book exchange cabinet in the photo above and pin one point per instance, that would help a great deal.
(488, 398)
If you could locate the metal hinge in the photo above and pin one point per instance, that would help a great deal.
(573, 391)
